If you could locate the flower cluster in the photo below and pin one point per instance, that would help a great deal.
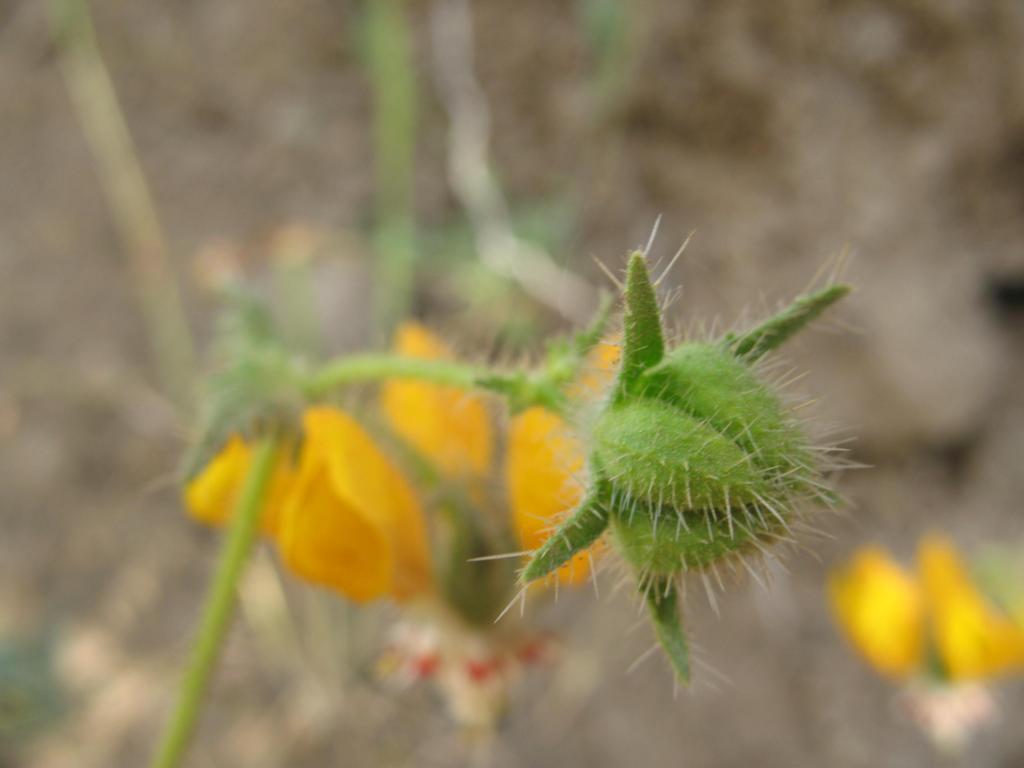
(683, 453)
(936, 623)
(345, 516)
(933, 631)
(397, 507)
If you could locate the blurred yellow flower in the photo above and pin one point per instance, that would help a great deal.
(347, 519)
(882, 610)
(599, 369)
(543, 468)
(899, 622)
(453, 429)
(545, 462)
(973, 639)
(352, 522)
(449, 427)
(211, 496)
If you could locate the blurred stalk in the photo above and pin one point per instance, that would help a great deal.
(393, 84)
(96, 106)
(219, 609)
(292, 251)
(499, 248)
(606, 25)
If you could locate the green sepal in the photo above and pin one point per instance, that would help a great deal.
(577, 532)
(772, 333)
(642, 343)
(663, 606)
(256, 385)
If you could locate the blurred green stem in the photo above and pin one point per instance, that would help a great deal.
(219, 609)
(96, 106)
(544, 386)
(376, 367)
(393, 84)
(295, 283)
(607, 26)
(522, 389)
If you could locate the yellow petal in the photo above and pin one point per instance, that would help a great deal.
(543, 466)
(599, 370)
(353, 523)
(449, 427)
(328, 543)
(880, 607)
(973, 639)
(211, 496)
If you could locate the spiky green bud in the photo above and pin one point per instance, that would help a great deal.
(694, 460)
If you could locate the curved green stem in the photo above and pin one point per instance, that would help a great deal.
(374, 367)
(220, 603)
(520, 388)
(129, 197)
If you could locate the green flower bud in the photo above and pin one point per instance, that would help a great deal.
(657, 454)
(695, 459)
(663, 541)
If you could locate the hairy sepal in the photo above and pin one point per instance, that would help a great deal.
(576, 533)
(663, 607)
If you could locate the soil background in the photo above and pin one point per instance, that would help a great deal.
(781, 133)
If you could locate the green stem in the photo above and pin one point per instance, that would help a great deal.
(220, 603)
(519, 388)
(392, 75)
(129, 199)
(374, 367)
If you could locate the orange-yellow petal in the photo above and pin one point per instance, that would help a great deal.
(600, 368)
(880, 607)
(326, 542)
(973, 638)
(353, 523)
(543, 466)
(211, 496)
(450, 427)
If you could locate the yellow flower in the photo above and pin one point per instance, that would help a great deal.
(543, 467)
(545, 463)
(599, 369)
(898, 621)
(449, 427)
(347, 519)
(973, 639)
(211, 496)
(352, 522)
(453, 429)
(881, 608)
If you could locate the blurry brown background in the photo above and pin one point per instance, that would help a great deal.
(781, 132)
